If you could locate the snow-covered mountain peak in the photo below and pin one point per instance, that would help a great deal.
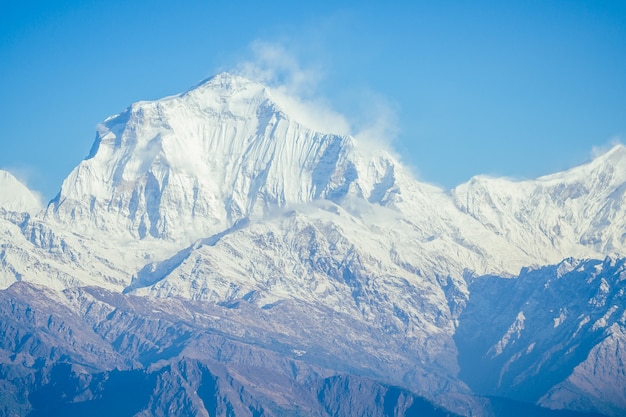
(225, 84)
(15, 196)
(615, 155)
(613, 162)
(228, 95)
(577, 212)
(191, 165)
(608, 168)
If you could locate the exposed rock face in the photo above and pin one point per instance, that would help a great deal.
(597, 383)
(555, 336)
(113, 354)
(83, 351)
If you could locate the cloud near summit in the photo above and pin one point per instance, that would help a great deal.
(296, 89)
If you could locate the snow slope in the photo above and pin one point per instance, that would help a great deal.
(579, 212)
(15, 196)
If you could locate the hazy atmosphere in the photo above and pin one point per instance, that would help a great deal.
(457, 88)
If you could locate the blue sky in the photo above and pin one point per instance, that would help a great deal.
(461, 88)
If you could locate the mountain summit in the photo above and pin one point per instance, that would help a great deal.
(194, 164)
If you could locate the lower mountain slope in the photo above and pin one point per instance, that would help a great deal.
(82, 351)
(556, 336)
(90, 351)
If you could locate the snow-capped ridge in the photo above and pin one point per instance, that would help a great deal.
(225, 84)
(194, 164)
(577, 212)
(611, 164)
(616, 154)
(613, 160)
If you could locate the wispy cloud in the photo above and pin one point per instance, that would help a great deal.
(602, 149)
(273, 65)
(293, 87)
(296, 88)
(376, 123)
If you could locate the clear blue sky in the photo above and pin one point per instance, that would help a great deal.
(519, 88)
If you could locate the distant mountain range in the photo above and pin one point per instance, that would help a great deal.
(214, 256)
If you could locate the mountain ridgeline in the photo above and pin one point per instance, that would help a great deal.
(214, 256)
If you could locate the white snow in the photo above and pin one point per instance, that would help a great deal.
(513, 333)
(15, 196)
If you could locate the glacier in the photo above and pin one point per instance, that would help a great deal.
(212, 236)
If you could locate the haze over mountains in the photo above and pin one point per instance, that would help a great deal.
(229, 259)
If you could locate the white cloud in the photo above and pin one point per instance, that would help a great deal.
(602, 149)
(377, 124)
(274, 66)
(293, 87)
(296, 89)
